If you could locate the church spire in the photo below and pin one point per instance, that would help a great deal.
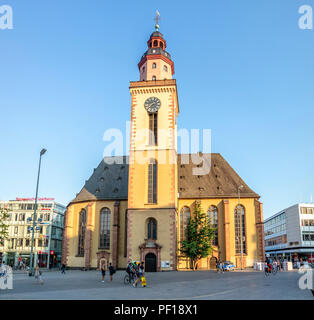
(156, 63)
(157, 20)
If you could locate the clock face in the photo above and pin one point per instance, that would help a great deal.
(152, 104)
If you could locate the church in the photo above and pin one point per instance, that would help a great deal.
(137, 207)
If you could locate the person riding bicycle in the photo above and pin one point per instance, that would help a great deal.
(268, 265)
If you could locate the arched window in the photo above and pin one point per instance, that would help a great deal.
(152, 181)
(185, 216)
(153, 131)
(104, 234)
(154, 78)
(155, 43)
(161, 45)
(154, 65)
(239, 223)
(212, 214)
(152, 229)
(165, 68)
(81, 233)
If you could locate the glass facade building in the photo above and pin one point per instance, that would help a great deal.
(47, 246)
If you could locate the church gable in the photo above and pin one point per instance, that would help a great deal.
(108, 181)
(221, 182)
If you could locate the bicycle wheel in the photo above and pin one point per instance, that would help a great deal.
(126, 279)
(266, 273)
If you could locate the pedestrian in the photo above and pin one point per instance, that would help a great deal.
(63, 268)
(221, 267)
(112, 270)
(103, 272)
(140, 274)
(37, 274)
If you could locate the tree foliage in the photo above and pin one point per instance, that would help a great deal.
(198, 237)
(4, 233)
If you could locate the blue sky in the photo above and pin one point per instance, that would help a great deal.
(244, 69)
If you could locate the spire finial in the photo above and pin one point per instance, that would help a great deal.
(157, 19)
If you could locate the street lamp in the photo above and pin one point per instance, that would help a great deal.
(241, 234)
(31, 271)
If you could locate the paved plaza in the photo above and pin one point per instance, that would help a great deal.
(200, 285)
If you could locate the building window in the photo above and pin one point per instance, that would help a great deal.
(239, 213)
(152, 229)
(153, 130)
(212, 214)
(81, 233)
(185, 216)
(152, 181)
(155, 43)
(105, 228)
(165, 68)
(15, 230)
(161, 45)
(154, 65)
(154, 78)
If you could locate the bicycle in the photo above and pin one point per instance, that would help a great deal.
(129, 278)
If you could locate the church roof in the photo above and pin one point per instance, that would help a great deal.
(110, 181)
(221, 182)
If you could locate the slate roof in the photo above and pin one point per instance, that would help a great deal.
(110, 181)
(221, 182)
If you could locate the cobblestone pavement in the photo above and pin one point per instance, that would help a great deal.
(203, 285)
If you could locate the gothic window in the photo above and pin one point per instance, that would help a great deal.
(154, 65)
(104, 241)
(239, 213)
(152, 181)
(153, 129)
(185, 216)
(81, 233)
(152, 229)
(212, 214)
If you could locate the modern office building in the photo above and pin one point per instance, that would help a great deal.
(47, 234)
(290, 233)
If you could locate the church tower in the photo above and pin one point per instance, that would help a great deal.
(152, 193)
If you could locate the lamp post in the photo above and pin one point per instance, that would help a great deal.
(241, 234)
(31, 271)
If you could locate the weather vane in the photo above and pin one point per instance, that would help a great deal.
(157, 19)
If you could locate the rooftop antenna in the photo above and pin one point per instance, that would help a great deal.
(157, 19)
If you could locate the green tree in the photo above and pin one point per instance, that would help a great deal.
(198, 239)
(4, 216)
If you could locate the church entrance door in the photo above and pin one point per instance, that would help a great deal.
(150, 262)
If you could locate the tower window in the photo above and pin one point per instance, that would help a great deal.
(154, 65)
(165, 68)
(152, 229)
(154, 78)
(155, 43)
(143, 69)
(152, 181)
(161, 45)
(153, 138)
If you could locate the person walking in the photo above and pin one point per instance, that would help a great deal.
(63, 268)
(37, 274)
(103, 272)
(140, 273)
(111, 271)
